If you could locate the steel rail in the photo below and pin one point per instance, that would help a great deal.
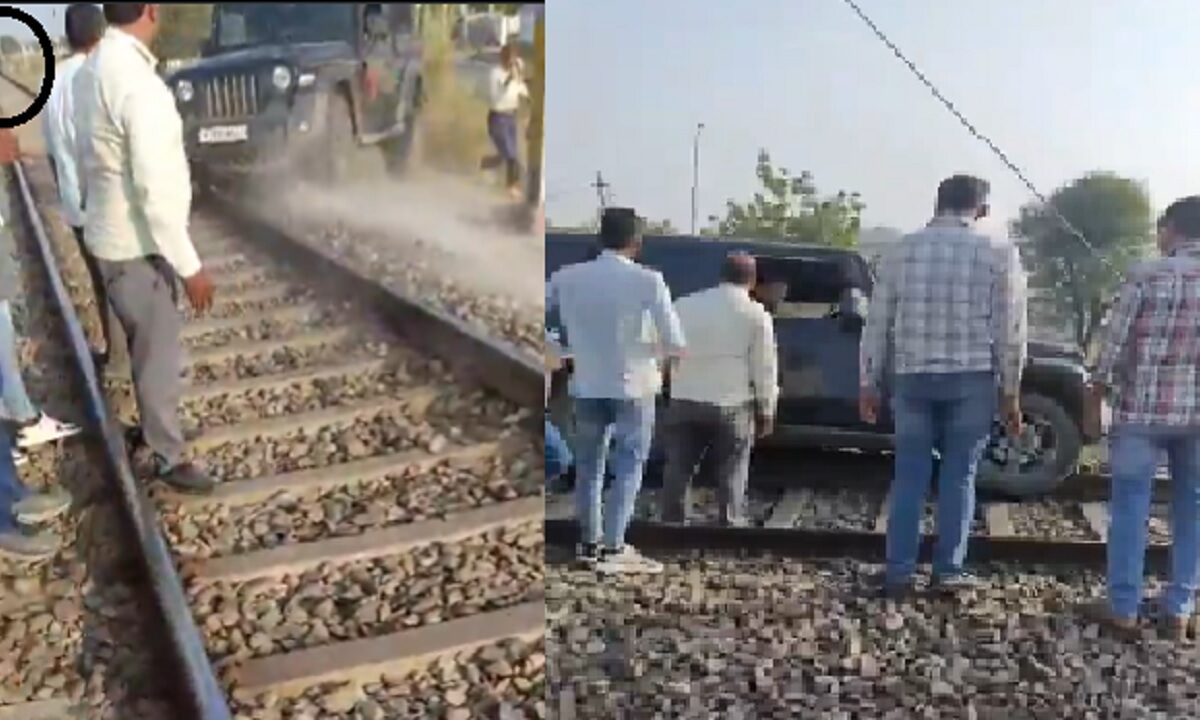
(856, 545)
(205, 699)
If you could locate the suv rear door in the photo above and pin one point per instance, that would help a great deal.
(818, 349)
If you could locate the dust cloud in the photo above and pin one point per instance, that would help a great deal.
(458, 229)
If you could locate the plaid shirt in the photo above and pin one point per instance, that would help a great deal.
(1150, 351)
(948, 299)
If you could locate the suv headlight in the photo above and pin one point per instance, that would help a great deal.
(184, 92)
(281, 77)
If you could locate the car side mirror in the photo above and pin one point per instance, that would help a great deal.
(852, 309)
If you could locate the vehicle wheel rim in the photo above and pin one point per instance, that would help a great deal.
(1037, 446)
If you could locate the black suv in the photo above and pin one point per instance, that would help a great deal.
(819, 357)
(286, 87)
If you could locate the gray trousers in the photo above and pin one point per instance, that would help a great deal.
(116, 346)
(144, 295)
(726, 434)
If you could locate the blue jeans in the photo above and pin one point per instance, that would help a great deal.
(1136, 450)
(558, 455)
(14, 400)
(11, 489)
(951, 413)
(630, 425)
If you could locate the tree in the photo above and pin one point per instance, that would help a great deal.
(9, 45)
(1113, 214)
(660, 227)
(789, 208)
(590, 226)
(182, 30)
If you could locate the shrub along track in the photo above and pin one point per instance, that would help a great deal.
(374, 548)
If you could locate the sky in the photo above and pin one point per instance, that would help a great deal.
(50, 16)
(1064, 88)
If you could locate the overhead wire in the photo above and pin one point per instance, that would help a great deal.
(973, 130)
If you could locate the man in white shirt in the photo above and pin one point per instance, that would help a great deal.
(722, 391)
(506, 88)
(137, 194)
(84, 27)
(619, 323)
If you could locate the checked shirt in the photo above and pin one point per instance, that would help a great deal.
(948, 299)
(1150, 351)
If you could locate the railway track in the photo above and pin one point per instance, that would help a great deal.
(836, 505)
(374, 547)
(78, 629)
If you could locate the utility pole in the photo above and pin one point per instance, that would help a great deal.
(601, 193)
(695, 171)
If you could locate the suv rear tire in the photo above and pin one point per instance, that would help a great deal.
(1042, 474)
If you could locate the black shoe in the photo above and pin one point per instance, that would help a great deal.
(587, 555)
(893, 589)
(953, 582)
(185, 477)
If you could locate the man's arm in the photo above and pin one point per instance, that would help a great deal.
(876, 337)
(161, 181)
(666, 320)
(1009, 330)
(1115, 338)
(764, 365)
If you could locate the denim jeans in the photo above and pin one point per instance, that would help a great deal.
(14, 400)
(1135, 452)
(951, 413)
(11, 489)
(558, 455)
(630, 426)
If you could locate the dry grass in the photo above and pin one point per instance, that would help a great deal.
(25, 69)
(454, 120)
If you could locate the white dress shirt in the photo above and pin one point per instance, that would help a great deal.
(506, 98)
(731, 355)
(134, 177)
(618, 321)
(58, 129)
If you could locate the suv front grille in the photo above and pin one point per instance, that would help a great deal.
(231, 96)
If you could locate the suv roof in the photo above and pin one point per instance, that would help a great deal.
(690, 263)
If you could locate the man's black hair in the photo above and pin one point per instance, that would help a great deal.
(85, 25)
(962, 193)
(123, 13)
(1183, 217)
(620, 228)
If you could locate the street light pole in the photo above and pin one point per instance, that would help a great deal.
(695, 171)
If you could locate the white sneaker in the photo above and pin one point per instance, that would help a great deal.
(45, 430)
(628, 560)
(15, 545)
(41, 507)
(20, 458)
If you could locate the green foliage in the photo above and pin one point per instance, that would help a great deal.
(588, 227)
(1114, 215)
(453, 120)
(182, 30)
(789, 208)
(660, 227)
(506, 8)
(9, 45)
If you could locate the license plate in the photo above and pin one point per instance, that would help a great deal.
(224, 134)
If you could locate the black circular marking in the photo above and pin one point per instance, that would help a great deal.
(39, 102)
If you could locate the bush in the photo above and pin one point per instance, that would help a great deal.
(454, 119)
